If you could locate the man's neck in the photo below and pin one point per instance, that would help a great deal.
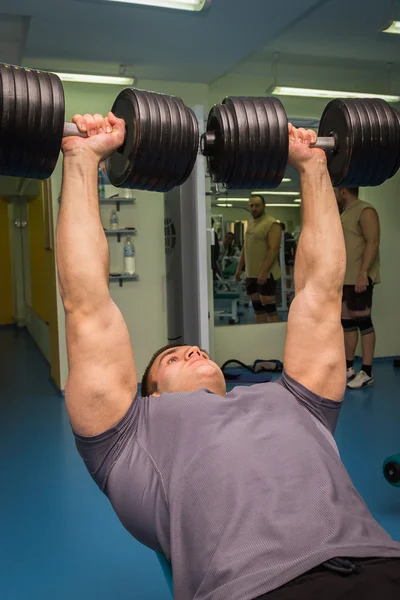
(349, 201)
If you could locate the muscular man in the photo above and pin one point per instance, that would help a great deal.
(244, 492)
(260, 255)
(360, 223)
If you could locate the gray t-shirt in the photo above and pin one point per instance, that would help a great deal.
(242, 493)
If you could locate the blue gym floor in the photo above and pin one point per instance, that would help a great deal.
(59, 536)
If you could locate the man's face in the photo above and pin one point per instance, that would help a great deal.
(256, 206)
(186, 369)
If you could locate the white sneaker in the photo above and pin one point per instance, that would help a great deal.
(361, 380)
(350, 373)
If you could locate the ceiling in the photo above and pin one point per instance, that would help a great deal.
(156, 43)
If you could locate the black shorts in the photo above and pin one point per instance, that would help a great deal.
(358, 301)
(375, 578)
(267, 289)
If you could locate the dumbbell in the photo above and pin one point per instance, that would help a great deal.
(391, 470)
(161, 137)
(246, 142)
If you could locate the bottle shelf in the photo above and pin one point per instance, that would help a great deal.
(120, 232)
(122, 277)
(117, 200)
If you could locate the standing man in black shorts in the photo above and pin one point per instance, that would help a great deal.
(260, 255)
(360, 223)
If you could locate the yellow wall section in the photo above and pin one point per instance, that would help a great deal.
(6, 299)
(38, 260)
(43, 272)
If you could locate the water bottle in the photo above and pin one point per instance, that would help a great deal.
(129, 257)
(100, 183)
(114, 221)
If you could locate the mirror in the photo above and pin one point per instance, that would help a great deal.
(253, 256)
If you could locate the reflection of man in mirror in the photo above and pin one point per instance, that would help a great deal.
(360, 223)
(260, 255)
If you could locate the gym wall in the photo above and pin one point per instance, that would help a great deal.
(143, 302)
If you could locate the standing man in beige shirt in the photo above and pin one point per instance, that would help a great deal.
(361, 230)
(260, 255)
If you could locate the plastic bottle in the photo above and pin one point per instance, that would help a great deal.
(100, 183)
(114, 220)
(129, 257)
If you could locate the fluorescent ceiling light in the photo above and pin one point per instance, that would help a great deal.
(225, 205)
(286, 180)
(84, 78)
(297, 200)
(270, 193)
(279, 90)
(394, 27)
(266, 204)
(194, 5)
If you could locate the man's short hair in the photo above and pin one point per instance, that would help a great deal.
(148, 387)
(258, 196)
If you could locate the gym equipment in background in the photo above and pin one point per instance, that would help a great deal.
(391, 470)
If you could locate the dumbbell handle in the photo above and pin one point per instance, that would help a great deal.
(71, 129)
(325, 143)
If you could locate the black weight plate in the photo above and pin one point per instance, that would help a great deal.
(283, 155)
(381, 141)
(41, 107)
(263, 147)
(396, 142)
(36, 140)
(120, 164)
(364, 162)
(336, 121)
(56, 120)
(389, 142)
(183, 148)
(230, 142)
(242, 142)
(172, 175)
(15, 162)
(274, 144)
(147, 169)
(192, 144)
(254, 157)
(221, 160)
(7, 115)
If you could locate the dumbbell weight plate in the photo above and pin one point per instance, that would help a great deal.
(390, 159)
(243, 133)
(31, 122)
(280, 153)
(339, 120)
(7, 115)
(150, 157)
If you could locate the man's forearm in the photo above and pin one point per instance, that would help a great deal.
(82, 249)
(321, 254)
(269, 261)
(369, 257)
(241, 260)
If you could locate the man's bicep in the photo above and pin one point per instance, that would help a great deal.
(102, 377)
(370, 226)
(274, 236)
(314, 350)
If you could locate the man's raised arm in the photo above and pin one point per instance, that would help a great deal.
(314, 351)
(102, 379)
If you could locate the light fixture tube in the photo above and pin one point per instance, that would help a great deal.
(394, 27)
(85, 78)
(279, 90)
(192, 5)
